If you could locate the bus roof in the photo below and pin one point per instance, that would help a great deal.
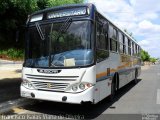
(63, 7)
(90, 5)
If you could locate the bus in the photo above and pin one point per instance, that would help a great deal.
(73, 54)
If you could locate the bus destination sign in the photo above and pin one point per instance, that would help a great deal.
(68, 12)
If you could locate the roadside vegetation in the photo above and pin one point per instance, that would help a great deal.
(13, 14)
(147, 58)
(12, 54)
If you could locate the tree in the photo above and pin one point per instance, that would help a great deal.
(52, 3)
(14, 13)
(42, 4)
(153, 60)
(145, 56)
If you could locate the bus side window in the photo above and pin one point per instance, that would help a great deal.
(101, 43)
(113, 38)
(136, 50)
(120, 37)
(133, 51)
(126, 43)
(129, 46)
(139, 51)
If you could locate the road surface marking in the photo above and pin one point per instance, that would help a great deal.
(158, 96)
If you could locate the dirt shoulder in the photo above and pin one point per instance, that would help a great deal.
(145, 67)
(10, 69)
(9, 74)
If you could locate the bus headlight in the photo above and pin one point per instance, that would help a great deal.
(79, 87)
(82, 86)
(74, 88)
(27, 84)
(24, 82)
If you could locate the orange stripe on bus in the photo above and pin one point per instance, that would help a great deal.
(99, 75)
(102, 74)
(128, 64)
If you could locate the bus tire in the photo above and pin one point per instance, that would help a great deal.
(117, 82)
(136, 75)
(87, 104)
(113, 88)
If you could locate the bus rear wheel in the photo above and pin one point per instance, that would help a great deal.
(113, 89)
(136, 75)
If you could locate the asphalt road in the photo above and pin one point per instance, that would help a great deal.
(132, 101)
(9, 89)
(10, 73)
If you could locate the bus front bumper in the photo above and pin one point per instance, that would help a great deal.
(75, 98)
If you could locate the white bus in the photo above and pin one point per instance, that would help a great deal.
(73, 54)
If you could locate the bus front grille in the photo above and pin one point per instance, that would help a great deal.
(51, 83)
(50, 86)
(52, 78)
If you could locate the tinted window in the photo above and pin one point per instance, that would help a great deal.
(126, 43)
(120, 36)
(110, 31)
(101, 41)
(129, 46)
(133, 49)
(101, 38)
(139, 51)
(113, 38)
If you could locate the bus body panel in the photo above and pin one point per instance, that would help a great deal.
(103, 89)
(76, 98)
(66, 76)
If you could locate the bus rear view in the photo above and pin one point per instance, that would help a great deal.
(59, 55)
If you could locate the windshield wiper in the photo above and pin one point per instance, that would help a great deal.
(40, 31)
(64, 27)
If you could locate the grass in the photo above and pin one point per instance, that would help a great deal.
(12, 54)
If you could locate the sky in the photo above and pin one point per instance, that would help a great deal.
(139, 17)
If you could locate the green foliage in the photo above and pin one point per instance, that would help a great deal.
(42, 4)
(12, 53)
(52, 3)
(145, 56)
(25, 5)
(13, 14)
(153, 60)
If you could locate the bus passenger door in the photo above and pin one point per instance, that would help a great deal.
(102, 59)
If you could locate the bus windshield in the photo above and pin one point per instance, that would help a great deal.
(65, 44)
